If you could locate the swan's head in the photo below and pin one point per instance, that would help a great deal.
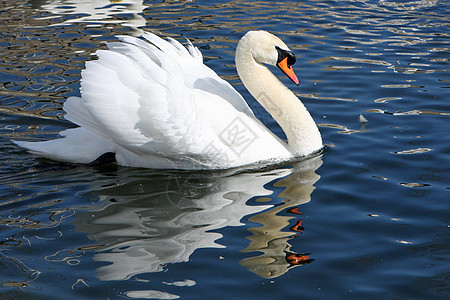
(266, 48)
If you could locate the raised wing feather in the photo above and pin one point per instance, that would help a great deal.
(156, 98)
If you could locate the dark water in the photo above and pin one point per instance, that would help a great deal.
(367, 219)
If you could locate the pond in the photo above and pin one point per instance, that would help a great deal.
(367, 218)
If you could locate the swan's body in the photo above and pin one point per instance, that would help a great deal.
(156, 105)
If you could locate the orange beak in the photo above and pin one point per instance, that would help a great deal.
(287, 69)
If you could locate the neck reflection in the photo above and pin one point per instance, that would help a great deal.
(272, 238)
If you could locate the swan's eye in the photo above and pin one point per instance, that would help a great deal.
(282, 54)
(291, 58)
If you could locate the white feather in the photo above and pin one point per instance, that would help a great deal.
(155, 104)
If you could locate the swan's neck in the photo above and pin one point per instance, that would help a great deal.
(301, 131)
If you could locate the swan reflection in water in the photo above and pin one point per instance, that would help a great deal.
(97, 11)
(145, 221)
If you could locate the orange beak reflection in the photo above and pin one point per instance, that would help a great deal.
(288, 70)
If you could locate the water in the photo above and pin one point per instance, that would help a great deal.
(368, 218)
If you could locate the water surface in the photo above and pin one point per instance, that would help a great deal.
(367, 218)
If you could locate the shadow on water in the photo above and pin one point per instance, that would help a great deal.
(148, 220)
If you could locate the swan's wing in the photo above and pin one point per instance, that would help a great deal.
(195, 74)
(155, 97)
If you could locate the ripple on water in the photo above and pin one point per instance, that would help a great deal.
(370, 221)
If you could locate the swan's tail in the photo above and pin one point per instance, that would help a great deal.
(78, 145)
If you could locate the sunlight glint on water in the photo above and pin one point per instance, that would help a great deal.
(366, 219)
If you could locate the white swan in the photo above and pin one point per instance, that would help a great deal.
(155, 104)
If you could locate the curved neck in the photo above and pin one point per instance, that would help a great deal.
(301, 131)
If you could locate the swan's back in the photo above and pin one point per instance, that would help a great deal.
(155, 104)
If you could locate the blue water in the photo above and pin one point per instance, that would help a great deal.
(365, 219)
